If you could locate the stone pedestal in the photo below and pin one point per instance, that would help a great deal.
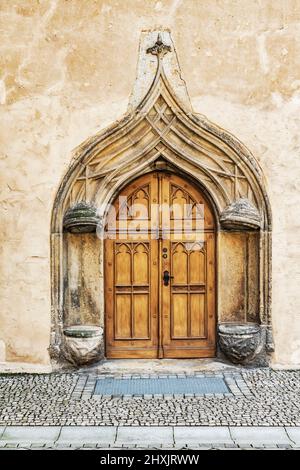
(81, 218)
(83, 344)
(241, 343)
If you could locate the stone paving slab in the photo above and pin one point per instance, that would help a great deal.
(145, 435)
(87, 434)
(214, 437)
(202, 435)
(31, 434)
(294, 434)
(259, 435)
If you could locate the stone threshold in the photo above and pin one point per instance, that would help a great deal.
(158, 366)
(24, 368)
(149, 437)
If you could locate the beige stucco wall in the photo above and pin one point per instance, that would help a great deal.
(67, 71)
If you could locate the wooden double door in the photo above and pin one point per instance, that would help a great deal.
(160, 271)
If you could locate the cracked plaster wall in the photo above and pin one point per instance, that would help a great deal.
(67, 71)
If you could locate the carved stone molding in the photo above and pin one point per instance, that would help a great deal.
(159, 48)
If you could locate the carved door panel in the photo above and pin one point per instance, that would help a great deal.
(160, 272)
(131, 274)
(188, 299)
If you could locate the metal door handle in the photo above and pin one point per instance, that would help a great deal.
(166, 278)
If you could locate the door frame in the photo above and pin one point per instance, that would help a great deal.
(196, 184)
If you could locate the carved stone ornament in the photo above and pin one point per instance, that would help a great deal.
(159, 48)
(241, 215)
(81, 218)
(240, 342)
(83, 344)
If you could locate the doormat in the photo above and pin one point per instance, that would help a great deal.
(161, 386)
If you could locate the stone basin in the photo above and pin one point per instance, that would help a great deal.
(239, 328)
(83, 331)
(240, 342)
(83, 344)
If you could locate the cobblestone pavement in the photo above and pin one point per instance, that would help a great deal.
(259, 397)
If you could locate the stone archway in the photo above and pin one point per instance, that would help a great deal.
(162, 132)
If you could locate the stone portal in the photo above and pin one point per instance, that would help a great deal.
(160, 133)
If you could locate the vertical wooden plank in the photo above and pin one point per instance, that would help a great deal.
(197, 311)
(154, 295)
(154, 265)
(123, 314)
(141, 315)
(165, 265)
(109, 292)
(211, 285)
(180, 315)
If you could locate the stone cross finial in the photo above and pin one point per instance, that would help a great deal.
(159, 48)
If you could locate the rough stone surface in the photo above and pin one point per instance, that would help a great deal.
(61, 83)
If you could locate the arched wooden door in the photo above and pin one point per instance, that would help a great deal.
(160, 271)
